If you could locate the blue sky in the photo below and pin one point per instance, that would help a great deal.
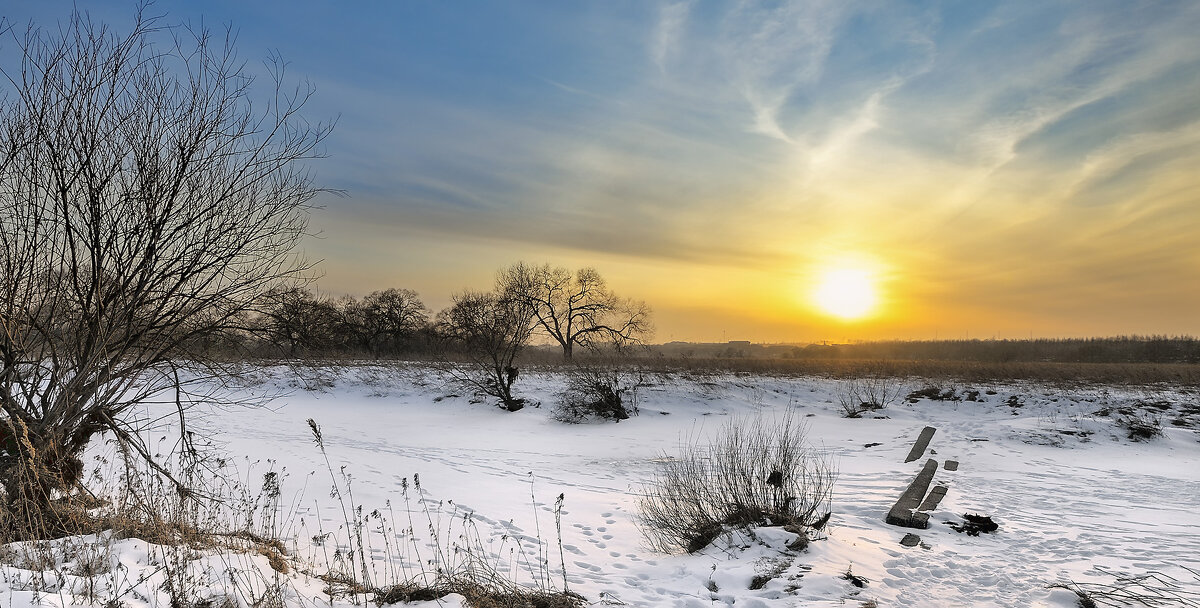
(1001, 168)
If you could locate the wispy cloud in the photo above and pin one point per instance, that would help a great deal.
(672, 20)
(769, 51)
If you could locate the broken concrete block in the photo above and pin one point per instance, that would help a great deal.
(904, 513)
(918, 448)
(935, 496)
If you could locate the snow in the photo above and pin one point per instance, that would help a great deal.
(1076, 499)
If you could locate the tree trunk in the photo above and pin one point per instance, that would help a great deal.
(32, 476)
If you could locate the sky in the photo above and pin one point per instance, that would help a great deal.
(989, 169)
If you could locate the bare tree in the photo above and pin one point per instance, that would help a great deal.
(576, 308)
(391, 319)
(297, 321)
(491, 330)
(144, 203)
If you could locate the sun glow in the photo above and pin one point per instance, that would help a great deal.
(846, 293)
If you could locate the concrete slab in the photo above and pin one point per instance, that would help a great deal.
(951, 465)
(904, 513)
(935, 496)
(918, 449)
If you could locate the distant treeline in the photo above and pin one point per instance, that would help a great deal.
(1119, 349)
(569, 309)
(395, 322)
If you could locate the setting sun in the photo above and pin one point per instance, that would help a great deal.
(846, 293)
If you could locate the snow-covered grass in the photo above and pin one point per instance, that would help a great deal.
(1077, 500)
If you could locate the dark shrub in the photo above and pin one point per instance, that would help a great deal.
(597, 392)
(1141, 426)
(935, 394)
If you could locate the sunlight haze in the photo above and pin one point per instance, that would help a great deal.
(991, 170)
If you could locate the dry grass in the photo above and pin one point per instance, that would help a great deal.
(235, 520)
(961, 371)
(1138, 374)
(454, 558)
(1152, 589)
(179, 528)
(498, 593)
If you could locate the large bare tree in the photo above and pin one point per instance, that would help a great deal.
(576, 308)
(145, 202)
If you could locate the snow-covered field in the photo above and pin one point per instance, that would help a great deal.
(1075, 499)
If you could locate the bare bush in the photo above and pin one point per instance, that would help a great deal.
(598, 390)
(490, 330)
(870, 392)
(755, 472)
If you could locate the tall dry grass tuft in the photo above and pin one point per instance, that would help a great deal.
(436, 550)
(755, 472)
